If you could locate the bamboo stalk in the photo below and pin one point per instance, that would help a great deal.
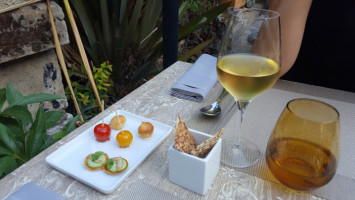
(103, 114)
(19, 5)
(82, 51)
(62, 62)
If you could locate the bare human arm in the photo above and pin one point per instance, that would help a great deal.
(293, 16)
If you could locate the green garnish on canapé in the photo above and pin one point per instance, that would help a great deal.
(97, 159)
(96, 155)
(109, 163)
(116, 164)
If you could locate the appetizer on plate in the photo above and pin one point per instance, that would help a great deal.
(96, 161)
(124, 138)
(116, 165)
(118, 122)
(145, 130)
(102, 132)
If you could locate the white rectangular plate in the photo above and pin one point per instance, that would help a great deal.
(69, 158)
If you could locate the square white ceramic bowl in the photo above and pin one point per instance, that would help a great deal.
(192, 172)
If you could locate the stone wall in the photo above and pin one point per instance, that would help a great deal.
(27, 53)
(39, 73)
(8, 3)
(27, 30)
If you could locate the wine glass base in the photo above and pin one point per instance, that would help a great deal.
(243, 155)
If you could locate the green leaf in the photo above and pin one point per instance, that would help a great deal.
(143, 70)
(183, 8)
(201, 20)
(103, 52)
(195, 50)
(36, 135)
(59, 135)
(14, 165)
(7, 164)
(2, 97)
(7, 138)
(152, 13)
(109, 67)
(133, 23)
(105, 20)
(85, 110)
(87, 25)
(96, 155)
(70, 126)
(4, 151)
(21, 147)
(18, 112)
(13, 95)
(110, 163)
(117, 53)
(104, 76)
(122, 10)
(48, 141)
(15, 126)
(115, 15)
(37, 98)
(107, 72)
(52, 117)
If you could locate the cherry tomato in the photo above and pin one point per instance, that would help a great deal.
(124, 138)
(102, 132)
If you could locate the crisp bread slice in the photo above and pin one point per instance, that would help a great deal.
(205, 147)
(183, 138)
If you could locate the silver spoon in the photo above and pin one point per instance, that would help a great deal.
(214, 109)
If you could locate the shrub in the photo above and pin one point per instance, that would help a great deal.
(21, 137)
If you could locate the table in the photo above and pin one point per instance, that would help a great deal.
(150, 180)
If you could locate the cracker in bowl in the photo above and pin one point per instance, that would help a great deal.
(183, 138)
(186, 143)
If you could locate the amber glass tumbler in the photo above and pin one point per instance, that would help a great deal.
(303, 149)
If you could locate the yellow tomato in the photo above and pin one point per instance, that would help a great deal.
(124, 138)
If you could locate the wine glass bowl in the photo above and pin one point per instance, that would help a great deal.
(303, 149)
(246, 68)
(247, 75)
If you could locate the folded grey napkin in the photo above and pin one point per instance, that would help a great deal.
(31, 191)
(197, 81)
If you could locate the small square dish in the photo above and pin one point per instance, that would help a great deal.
(191, 172)
(69, 158)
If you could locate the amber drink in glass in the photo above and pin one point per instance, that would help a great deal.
(303, 149)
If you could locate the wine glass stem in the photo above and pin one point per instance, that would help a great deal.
(241, 106)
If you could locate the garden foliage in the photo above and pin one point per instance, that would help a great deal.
(127, 34)
(21, 137)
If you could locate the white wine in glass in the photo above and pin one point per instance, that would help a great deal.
(246, 68)
(246, 75)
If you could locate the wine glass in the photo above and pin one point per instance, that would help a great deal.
(303, 149)
(248, 64)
